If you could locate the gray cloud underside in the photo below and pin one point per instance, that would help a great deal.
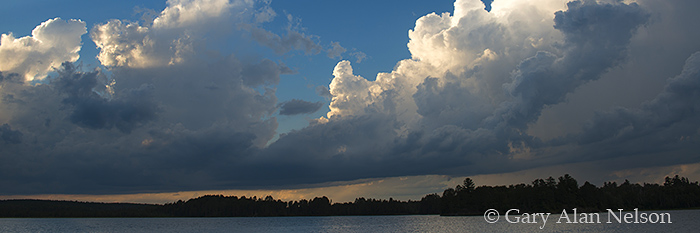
(10, 136)
(202, 126)
(296, 107)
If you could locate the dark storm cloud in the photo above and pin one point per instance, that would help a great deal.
(342, 150)
(439, 104)
(452, 138)
(12, 77)
(174, 133)
(202, 126)
(130, 109)
(596, 39)
(297, 106)
(182, 122)
(10, 136)
(670, 118)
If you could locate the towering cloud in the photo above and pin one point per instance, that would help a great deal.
(171, 36)
(181, 27)
(171, 115)
(51, 43)
(456, 107)
(592, 46)
(161, 108)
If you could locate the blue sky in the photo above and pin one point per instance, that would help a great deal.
(378, 29)
(360, 98)
(355, 26)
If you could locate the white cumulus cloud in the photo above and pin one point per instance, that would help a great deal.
(476, 83)
(52, 42)
(171, 37)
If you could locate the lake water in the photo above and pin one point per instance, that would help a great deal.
(682, 221)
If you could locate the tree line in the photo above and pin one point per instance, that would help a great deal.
(542, 195)
(553, 195)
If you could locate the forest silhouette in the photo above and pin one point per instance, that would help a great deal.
(542, 195)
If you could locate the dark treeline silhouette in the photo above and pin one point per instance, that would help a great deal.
(218, 205)
(554, 195)
(542, 195)
(61, 209)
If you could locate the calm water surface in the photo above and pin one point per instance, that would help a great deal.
(682, 221)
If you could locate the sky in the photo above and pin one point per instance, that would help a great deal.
(158, 101)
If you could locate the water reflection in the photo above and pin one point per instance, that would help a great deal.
(683, 221)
